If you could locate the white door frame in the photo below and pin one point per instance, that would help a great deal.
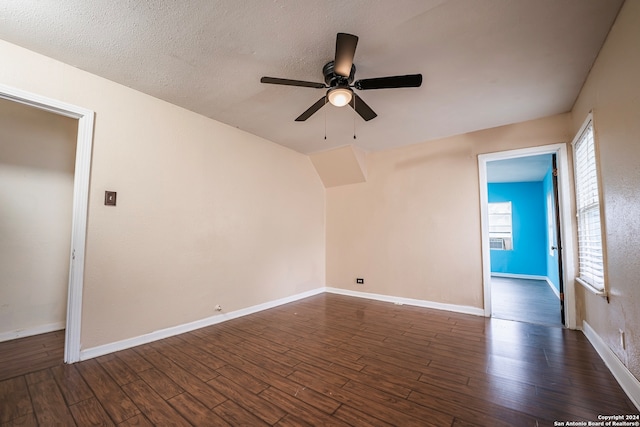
(80, 206)
(566, 223)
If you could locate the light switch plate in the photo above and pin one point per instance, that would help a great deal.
(110, 198)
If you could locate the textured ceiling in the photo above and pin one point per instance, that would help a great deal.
(485, 63)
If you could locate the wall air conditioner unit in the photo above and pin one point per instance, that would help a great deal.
(496, 243)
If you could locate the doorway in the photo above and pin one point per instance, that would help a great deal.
(84, 142)
(37, 157)
(524, 218)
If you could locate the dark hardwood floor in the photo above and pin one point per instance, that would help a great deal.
(524, 300)
(324, 360)
(24, 355)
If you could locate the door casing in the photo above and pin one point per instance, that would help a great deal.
(566, 223)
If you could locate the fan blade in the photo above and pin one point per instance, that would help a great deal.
(362, 108)
(315, 107)
(410, 80)
(345, 51)
(287, 82)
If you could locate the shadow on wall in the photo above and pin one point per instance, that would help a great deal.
(437, 153)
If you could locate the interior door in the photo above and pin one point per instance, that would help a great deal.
(558, 246)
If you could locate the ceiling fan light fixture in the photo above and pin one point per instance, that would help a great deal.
(338, 76)
(340, 96)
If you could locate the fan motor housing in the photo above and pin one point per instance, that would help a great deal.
(332, 79)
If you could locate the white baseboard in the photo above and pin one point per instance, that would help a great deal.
(409, 301)
(553, 288)
(625, 378)
(27, 332)
(530, 277)
(188, 327)
(519, 276)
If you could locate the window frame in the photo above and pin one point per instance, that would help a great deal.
(583, 280)
(507, 241)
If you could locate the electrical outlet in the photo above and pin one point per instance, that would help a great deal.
(360, 281)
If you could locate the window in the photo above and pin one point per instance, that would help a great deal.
(590, 254)
(500, 229)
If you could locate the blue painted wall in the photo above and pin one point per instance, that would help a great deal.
(552, 257)
(528, 209)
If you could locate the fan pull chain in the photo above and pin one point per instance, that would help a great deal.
(325, 119)
(354, 117)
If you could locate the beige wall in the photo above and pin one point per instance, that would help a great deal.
(37, 154)
(413, 229)
(612, 90)
(207, 214)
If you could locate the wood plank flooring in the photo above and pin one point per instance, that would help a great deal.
(524, 300)
(24, 355)
(325, 360)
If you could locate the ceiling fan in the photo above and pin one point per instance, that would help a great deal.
(338, 77)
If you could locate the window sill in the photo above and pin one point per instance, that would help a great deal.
(593, 290)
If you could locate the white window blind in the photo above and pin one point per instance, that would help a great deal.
(590, 254)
